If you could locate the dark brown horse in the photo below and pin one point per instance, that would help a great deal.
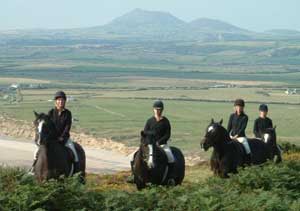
(150, 164)
(54, 159)
(228, 154)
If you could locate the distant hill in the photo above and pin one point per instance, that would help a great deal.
(164, 26)
(211, 25)
(141, 25)
(141, 19)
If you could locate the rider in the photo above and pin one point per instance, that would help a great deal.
(161, 127)
(262, 122)
(237, 125)
(62, 119)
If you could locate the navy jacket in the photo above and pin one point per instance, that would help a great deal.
(63, 123)
(162, 129)
(260, 125)
(237, 124)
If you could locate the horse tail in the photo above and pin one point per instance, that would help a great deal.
(179, 166)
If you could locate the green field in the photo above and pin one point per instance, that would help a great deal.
(121, 117)
(114, 85)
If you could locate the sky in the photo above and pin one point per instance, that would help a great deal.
(255, 15)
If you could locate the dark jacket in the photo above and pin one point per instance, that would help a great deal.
(237, 124)
(161, 129)
(260, 125)
(63, 123)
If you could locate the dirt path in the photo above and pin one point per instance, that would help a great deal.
(19, 153)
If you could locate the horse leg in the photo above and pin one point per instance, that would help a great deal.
(278, 154)
(139, 171)
(139, 184)
(41, 167)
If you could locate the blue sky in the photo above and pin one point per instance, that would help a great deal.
(257, 15)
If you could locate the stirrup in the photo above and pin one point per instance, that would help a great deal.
(171, 182)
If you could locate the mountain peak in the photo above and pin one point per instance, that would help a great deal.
(139, 16)
(206, 24)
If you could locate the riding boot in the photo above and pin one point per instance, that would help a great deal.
(171, 174)
(130, 179)
(248, 159)
(76, 167)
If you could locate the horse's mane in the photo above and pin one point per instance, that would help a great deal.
(226, 133)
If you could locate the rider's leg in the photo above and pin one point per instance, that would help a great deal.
(171, 163)
(169, 153)
(244, 141)
(71, 146)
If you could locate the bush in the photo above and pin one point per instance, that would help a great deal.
(265, 187)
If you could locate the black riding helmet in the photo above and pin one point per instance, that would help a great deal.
(239, 102)
(60, 94)
(158, 104)
(263, 107)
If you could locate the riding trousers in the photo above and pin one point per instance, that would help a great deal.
(70, 145)
(168, 152)
(243, 140)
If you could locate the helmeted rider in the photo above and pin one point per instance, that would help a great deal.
(262, 122)
(62, 119)
(237, 125)
(161, 128)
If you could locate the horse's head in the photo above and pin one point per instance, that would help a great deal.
(214, 133)
(45, 130)
(269, 136)
(148, 147)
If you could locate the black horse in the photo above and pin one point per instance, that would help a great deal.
(269, 137)
(54, 159)
(229, 154)
(150, 164)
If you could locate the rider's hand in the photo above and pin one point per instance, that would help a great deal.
(61, 139)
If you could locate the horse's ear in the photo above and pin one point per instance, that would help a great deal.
(36, 114)
(221, 121)
(212, 121)
(142, 133)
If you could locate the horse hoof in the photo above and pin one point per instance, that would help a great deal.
(130, 179)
